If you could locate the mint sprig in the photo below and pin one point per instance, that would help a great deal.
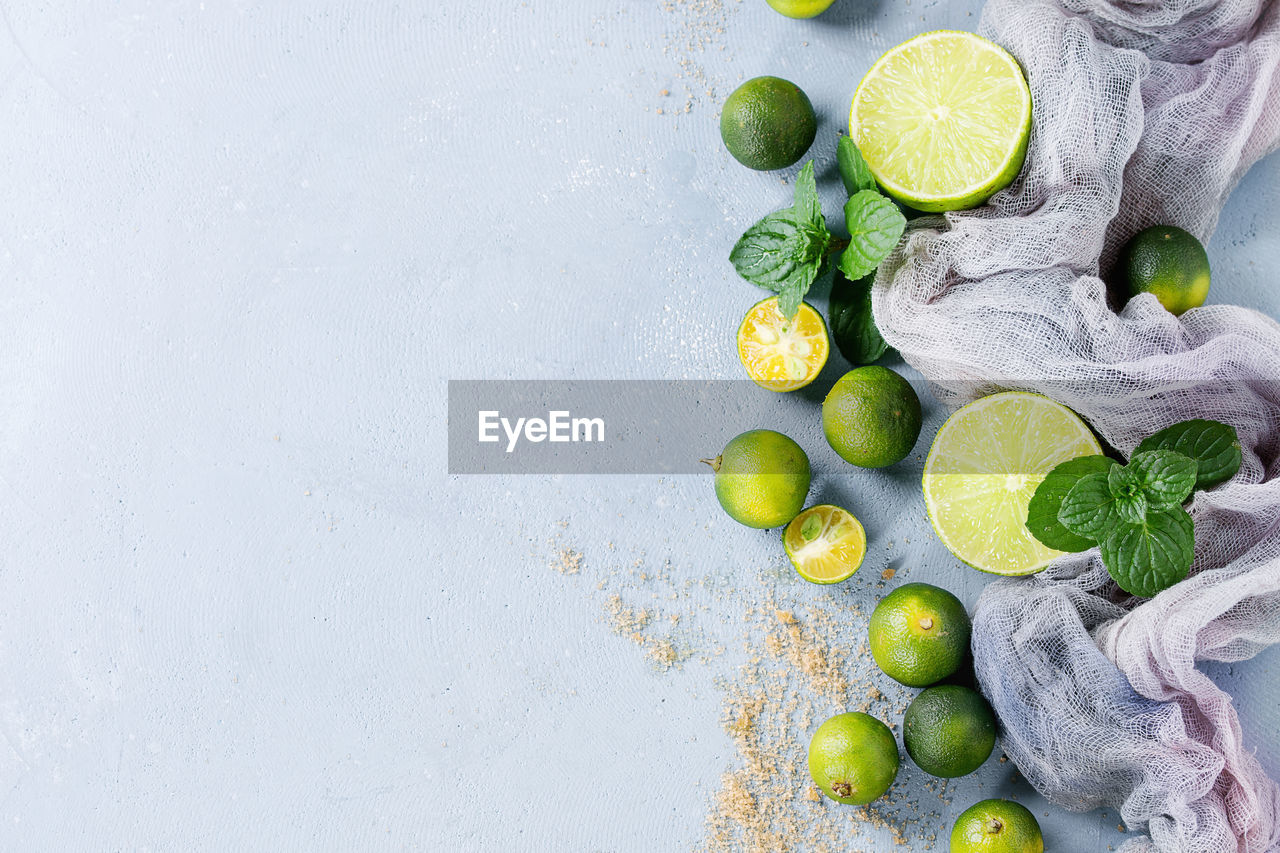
(785, 252)
(1134, 512)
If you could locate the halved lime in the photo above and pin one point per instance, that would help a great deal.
(781, 354)
(983, 468)
(943, 120)
(826, 544)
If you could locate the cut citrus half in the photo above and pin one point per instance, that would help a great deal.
(826, 544)
(943, 120)
(781, 354)
(983, 468)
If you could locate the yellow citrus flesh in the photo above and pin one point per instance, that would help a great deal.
(983, 468)
(943, 120)
(781, 354)
(826, 544)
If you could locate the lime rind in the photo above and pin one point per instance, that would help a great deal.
(985, 464)
(943, 140)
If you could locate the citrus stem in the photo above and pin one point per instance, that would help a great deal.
(994, 826)
(714, 463)
(842, 789)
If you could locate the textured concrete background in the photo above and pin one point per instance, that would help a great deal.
(243, 247)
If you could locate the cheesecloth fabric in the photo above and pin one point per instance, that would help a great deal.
(1145, 113)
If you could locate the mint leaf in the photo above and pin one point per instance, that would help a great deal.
(875, 224)
(807, 207)
(1042, 512)
(1125, 486)
(1214, 446)
(1153, 555)
(854, 170)
(1166, 477)
(852, 327)
(766, 253)
(1089, 510)
(773, 249)
(794, 289)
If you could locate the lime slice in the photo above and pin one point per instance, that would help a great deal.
(781, 354)
(983, 468)
(826, 544)
(943, 120)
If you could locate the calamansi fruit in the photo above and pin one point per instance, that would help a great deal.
(853, 758)
(762, 477)
(1167, 262)
(782, 354)
(826, 544)
(871, 417)
(801, 8)
(919, 634)
(997, 826)
(949, 730)
(768, 123)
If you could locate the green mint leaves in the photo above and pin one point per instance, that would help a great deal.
(854, 171)
(1214, 446)
(1151, 555)
(852, 327)
(1134, 512)
(1042, 513)
(786, 251)
(875, 224)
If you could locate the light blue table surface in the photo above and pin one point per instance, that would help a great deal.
(243, 247)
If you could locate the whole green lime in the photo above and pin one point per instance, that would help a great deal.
(919, 634)
(1167, 262)
(853, 758)
(949, 731)
(762, 478)
(801, 8)
(768, 123)
(871, 417)
(997, 826)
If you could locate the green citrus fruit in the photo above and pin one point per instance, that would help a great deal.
(997, 826)
(919, 634)
(1167, 262)
(985, 464)
(768, 123)
(853, 758)
(801, 8)
(871, 417)
(943, 120)
(781, 354)
(826, 544)
(949, 730)
(762, 478)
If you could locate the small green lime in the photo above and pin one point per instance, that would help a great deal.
(762, 478)
(997, 826)
(949, 731)
(853, 758)
(871, 417)
(768, 123)
(1167, 262)
(918, 634)
(801, 8)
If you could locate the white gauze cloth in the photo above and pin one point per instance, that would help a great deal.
(1146, 113)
